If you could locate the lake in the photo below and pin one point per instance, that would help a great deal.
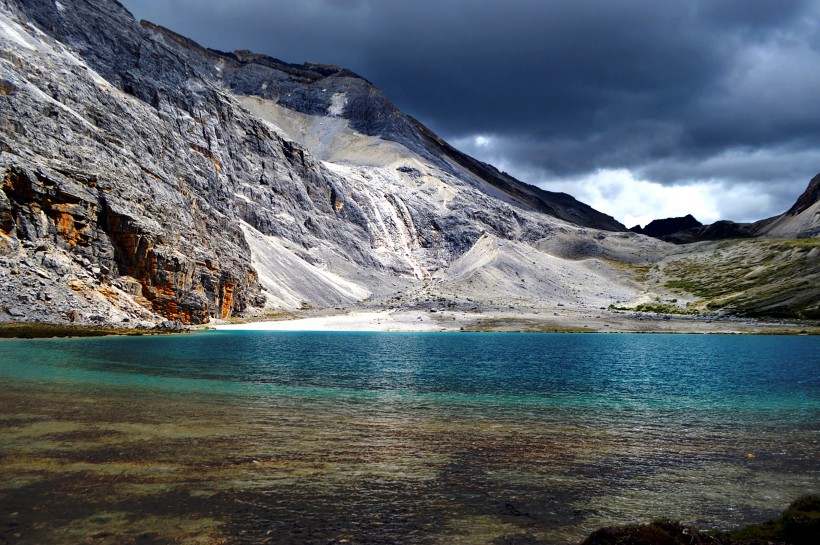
(261, 437)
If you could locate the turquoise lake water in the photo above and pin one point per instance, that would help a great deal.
(261, 437)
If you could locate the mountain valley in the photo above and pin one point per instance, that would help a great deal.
(148, 181)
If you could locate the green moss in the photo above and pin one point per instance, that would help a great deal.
(657, 307)
(686, 285)
(640, 272)
(662, 308)
(754, 277)
(799, 242)
(40, 331)
(798, 525)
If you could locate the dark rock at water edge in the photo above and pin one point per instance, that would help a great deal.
(798, 525)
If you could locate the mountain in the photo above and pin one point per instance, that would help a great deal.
(661, 228)
(149, 179)
(802, 220)
(160, 178)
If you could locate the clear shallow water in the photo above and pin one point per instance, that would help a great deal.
(413, 438)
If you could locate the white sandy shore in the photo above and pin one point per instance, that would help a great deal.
(566, 320)
(356, 321)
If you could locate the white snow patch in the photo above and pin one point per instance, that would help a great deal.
(59, 6)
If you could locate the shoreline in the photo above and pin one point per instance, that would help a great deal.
(558, 320)
(563, 320)
(40, 330)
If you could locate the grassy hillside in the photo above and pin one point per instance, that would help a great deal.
(775, 277)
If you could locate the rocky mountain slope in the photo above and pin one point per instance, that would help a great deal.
(147, 179)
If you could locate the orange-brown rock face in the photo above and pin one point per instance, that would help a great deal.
(73, 231)
(118, 247)
(227, 300)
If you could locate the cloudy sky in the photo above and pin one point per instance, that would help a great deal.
(641, 108)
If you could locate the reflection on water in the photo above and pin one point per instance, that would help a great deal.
(357, 439)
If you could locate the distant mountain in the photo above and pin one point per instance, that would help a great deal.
(802, 220)
(663, 227)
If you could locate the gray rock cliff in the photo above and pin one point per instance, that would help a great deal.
(128, 160)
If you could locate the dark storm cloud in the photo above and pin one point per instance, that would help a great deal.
(662, 88)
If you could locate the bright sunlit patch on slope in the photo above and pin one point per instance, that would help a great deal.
(14, 32)
(337, 105)
(290, 280)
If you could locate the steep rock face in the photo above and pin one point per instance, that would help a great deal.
(327, 90)
(810, 197)
(96, 175)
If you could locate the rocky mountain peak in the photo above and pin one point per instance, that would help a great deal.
(664, 227)
(808, 198)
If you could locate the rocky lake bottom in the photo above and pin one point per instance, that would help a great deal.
(261, 437)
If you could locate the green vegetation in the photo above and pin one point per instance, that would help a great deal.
(800, 242)
(522, 325)
(41, 331)
(658, 307)
(640, 272)
(775, 277)
(662, 308)
(798, 525)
